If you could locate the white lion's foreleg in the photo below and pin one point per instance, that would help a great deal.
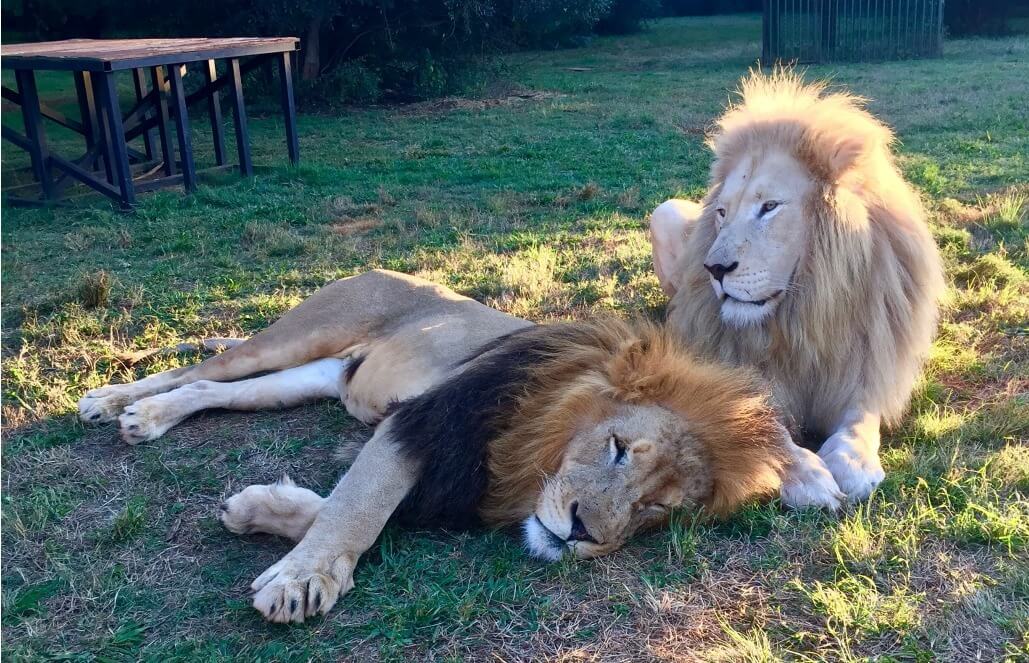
(852, 454)
(281, 508)
(320, 568)
(149, 418)
(807, 481)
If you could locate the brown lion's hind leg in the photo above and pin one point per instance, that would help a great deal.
(281, 508)
(338, 316)
(106, 403)
(152, 417)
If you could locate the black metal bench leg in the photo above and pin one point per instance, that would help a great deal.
(288, 106)
(189, 173)
(139, 83)
(39, 152)
(239, 114)
(87, 111)
(103, 134)
(214, 112)
(163, 120)
(116, 135)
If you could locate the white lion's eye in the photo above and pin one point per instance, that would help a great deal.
(768, 207)
(721, 212)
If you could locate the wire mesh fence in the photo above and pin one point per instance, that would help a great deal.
(828, 30)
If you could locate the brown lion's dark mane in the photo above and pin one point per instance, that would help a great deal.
(487, 437)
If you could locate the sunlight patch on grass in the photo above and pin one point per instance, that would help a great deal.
(855, 604)
(529, 274)
(935, 425)
(750, 647)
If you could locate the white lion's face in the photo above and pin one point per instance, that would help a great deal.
(759, 217)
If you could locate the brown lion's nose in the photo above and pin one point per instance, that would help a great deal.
(719, 270)
(579, 532)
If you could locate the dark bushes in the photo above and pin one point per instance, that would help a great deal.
(982, 17)
(354, 51)
(628, 16)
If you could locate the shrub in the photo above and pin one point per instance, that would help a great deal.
(353, 51)
(708, 7)
(978, 17)
(352, 82)
(555, 22)
(627, 16)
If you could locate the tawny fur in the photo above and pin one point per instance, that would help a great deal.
(727, 412)
(865, 295)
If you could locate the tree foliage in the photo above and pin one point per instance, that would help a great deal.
(353, 50)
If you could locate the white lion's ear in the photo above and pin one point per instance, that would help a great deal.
(669, 224)
(844, 154)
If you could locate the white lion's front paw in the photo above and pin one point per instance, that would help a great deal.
(810, 483)
(857, 472)
(148, 419)
(104, 404)
(298, 586)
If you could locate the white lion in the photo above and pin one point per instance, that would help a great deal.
(810, 260)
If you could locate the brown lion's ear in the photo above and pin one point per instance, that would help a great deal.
(629, 371)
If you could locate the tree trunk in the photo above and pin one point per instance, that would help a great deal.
(312, 50)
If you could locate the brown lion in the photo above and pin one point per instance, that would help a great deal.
(810, 260)
(584, 432)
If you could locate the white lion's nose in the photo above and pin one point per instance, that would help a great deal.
(718, 270)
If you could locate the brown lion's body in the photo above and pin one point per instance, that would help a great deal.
(585, 431)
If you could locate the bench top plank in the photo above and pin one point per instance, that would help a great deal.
(117, 54)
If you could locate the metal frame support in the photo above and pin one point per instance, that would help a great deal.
(214, 112)
(239, 115)
(164, 129)
(39, 152)
(116, 132)
(289, 106)
(189, 173)
(140, 87)
(87, 110)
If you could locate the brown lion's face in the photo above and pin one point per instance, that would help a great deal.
(758, 213)
(618, 476)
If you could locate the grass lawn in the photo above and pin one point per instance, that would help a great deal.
(532, 199)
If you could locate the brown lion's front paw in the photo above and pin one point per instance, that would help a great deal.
(281, 508)
(297, 587)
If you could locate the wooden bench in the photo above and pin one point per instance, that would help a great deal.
(159, 102)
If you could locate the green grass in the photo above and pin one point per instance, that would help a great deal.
(533, 200)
